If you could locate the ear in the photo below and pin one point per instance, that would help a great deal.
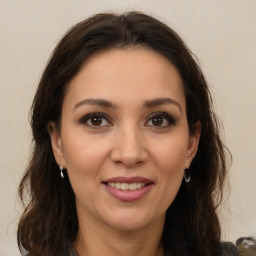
(193, 144)
(56, 144)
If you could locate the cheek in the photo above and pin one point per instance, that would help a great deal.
(83, 155)
(171, 168)
(170, 160)
(84, 159)
(170, 156)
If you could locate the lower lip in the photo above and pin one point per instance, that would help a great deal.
(128, 195)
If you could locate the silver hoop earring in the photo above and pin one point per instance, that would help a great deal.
(61, 172)
(187, 176)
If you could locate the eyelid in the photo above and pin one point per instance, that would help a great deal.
(170, 119)
(87, 117)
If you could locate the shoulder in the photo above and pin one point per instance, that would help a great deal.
(245, 246)
(229, 249)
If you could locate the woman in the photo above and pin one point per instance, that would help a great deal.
(122, 113)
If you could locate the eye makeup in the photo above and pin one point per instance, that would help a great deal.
(95, 120)
(160, 120)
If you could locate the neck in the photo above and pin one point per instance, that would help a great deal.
(94, 240)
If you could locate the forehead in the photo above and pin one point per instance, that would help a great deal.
(126, 75)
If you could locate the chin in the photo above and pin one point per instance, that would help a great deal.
(127, 220)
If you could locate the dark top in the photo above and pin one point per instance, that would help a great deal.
(227, 249)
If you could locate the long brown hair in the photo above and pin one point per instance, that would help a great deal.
(50, 219)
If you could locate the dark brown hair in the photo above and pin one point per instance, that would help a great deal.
(50, 219)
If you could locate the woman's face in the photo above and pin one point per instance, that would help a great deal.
(124, 138)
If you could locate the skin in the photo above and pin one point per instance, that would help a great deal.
(128, 143)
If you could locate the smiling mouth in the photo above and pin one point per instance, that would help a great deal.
(127, 186)
(128, 189)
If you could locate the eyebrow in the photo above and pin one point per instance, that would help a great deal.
(162, 101)
(147, 103)
(95, 102)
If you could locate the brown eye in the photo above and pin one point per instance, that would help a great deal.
(160, 120)
(157, 121)
(96, 121)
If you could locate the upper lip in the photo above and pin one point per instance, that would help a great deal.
(128, 180)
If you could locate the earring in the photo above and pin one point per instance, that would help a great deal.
(61, 172)
(187, 176)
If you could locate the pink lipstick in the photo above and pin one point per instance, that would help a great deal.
(128, 189)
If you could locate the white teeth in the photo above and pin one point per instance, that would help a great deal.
(126, 186)
(132, 186)
(140, 185)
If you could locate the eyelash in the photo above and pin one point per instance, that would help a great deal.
(165, 116)
(89, 117)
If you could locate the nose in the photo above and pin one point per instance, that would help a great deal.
(129, 148)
